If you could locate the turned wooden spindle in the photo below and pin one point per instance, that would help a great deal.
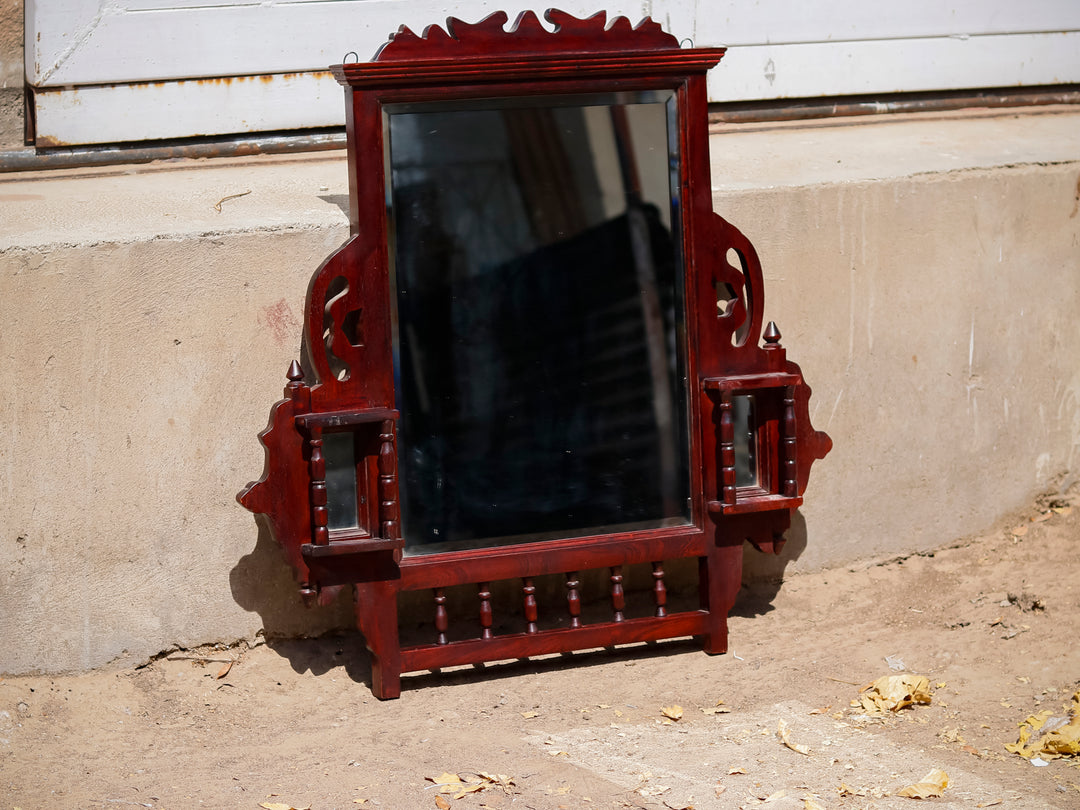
(320, 535)
(389, 514)
(727, 449)
(789, 445)
(618, 597)
(484, 592)
(530, 605)
(573, 598)
(442, 620)
(659, 589)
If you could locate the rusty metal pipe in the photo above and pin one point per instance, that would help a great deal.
(798, 109)
(31, 159)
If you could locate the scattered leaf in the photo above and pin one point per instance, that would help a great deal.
(893, 693)
(719, 789)
(1049, 736)
(224, 670)
(952, 735)
(785, 737)
(716, 710)
(1019, 531)
(772, 797)
(672, 712)
(446, 780)
(734, 771)
(810, 804)
(989, 804)
(930, 786)
(530, 715)
(442, 803)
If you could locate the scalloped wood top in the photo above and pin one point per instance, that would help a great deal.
(478, 50)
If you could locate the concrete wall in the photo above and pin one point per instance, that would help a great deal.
(11, 73)
(928, 288)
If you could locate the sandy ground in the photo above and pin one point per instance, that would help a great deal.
(292, 723)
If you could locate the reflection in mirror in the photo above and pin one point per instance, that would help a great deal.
(742, 412)
(340, 455)
(539, 339)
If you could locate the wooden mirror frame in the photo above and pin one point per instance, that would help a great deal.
(349, 321)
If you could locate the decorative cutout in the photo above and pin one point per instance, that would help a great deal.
(489, 37)
(336, 295)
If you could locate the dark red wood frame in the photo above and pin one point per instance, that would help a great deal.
(724, 359)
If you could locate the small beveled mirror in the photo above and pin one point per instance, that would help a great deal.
(537, 355)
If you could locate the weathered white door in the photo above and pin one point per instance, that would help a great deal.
(104, 71)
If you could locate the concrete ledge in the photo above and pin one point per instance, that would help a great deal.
(925, 272)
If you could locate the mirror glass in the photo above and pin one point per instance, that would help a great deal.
(539, 342)
(340, 455)
(742, 413)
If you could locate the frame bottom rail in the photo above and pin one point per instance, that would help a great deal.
(546, 642)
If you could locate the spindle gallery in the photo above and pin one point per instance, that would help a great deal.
(539, 354)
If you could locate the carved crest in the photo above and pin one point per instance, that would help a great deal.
(476, 40)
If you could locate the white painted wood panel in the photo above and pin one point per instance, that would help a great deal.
(124, 66)
(902, 65)
(153, 111)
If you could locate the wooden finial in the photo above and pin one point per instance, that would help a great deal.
(772, 334)
(295, 373)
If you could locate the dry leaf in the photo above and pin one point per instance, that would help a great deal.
(653, 790)
(734, 771)
(716, 710)
(775, 796)
(894, 692)
(720, 789)
(447, 782)
(1050, 736)
(785, 738)
(364, 801)
(1020, 531)
(810, 804)
(224, 670)
(930, 786)
(673, 712)
(281, 806)
(530, 715)
(442, 803)
(989, 804)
